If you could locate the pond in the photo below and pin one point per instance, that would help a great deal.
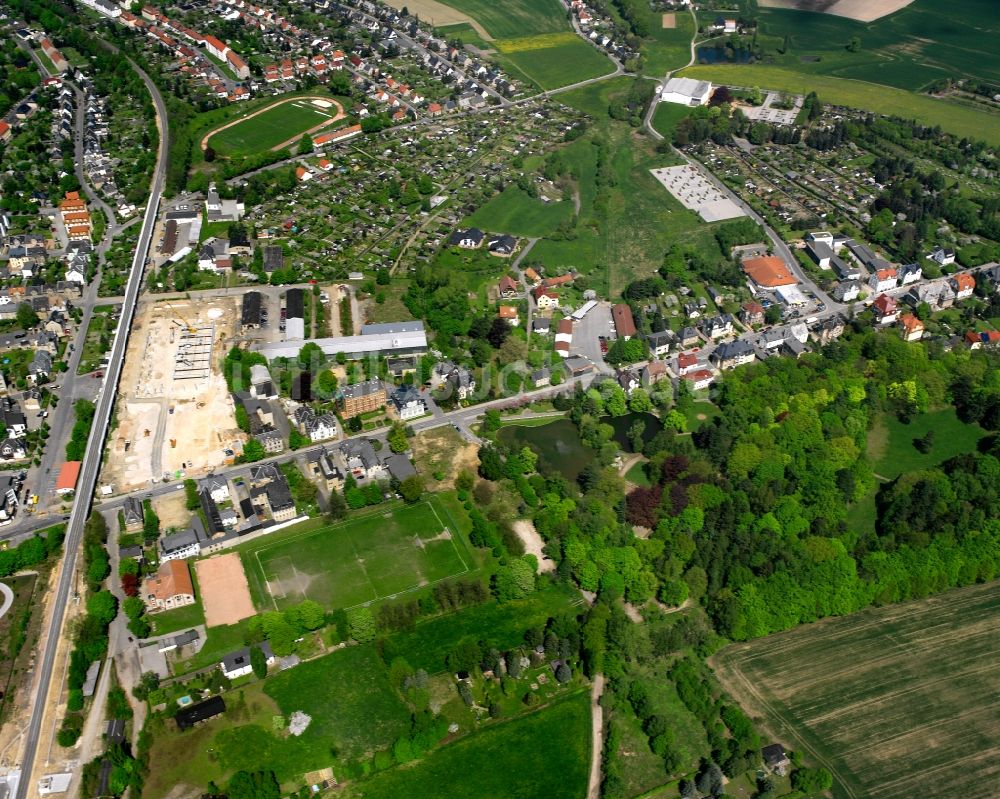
(719, 55)
(622, 424)
(557, 445)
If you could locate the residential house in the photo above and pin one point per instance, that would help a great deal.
(13, 417)
(169, 588)
(752, 313)
(661, 343)
(687, 362)
(470, 239)
(910, 273)
(400, 466)
(541, 325)
(510, 315)
(829, 329)
(628, 380)
(912, 328)
(133, 514)
(775, 759)
(508, 287)
(364, 397)
(361, 460)
(13, 449)
(701, 378)
(731, 354)
(202, 711)
(688, 336)
(460, 379)
(325, 469)
(502, 245)
(408, 403)
(847, 291)
(821, 253)
(317, 427)
(541, 377)
(532, 276)
(261, 383)
(217, 488)
(885, 309)
(237, 664)
(654, 372)
(718, 326)
(963, 285)
(945, 256)
(180, 546)
(545, 299)
(40, 367)
(883, 280)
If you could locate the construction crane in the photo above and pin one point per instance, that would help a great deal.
(187, 326)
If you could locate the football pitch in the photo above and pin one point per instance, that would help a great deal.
(363, 559)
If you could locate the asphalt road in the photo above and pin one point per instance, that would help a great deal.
(92, 459)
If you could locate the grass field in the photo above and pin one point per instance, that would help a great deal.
(890, 442)
(897, 702)
(955, 118)
(512, 211)
(514, 19)
(544, 754)
(363, 559)
(465, 33)
(171, 621)
(666, 117)
(270, 128)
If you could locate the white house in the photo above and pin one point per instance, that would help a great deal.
(217, 488)
(943, 255)
(237, 664)
(883, 280)
(408, 403)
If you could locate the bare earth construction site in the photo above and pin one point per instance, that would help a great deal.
(175, 415)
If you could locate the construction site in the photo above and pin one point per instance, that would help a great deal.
(175, 415)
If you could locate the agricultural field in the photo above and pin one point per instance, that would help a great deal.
(892, 451)
(272, 127)
(896, 702)
(546, 753)
(568, 60)
(952, 117)
(465, 33)
(927, 40)
(513, 19)
(357, 561)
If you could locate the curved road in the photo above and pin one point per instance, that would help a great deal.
(47, 679)
(8, 599)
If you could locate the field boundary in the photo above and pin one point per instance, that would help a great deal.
(341, 114)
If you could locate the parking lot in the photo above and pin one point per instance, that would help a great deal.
(587, 333)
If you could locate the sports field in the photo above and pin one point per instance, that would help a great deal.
(273, 127)
(897, 702)
(366, 558)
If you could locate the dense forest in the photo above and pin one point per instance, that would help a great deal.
(749, 513)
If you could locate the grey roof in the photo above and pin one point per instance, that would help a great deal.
(188, 637)
(538, 325)
(279, 495)
(241, 657)
(384, 328)
(404, 395)
(133, 511)
(732, 349)
(399, 466)
(363, 389)
(362, 449)
(178, 541)
(189, 716)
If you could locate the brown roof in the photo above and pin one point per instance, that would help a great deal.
(769, 271)
(624, 323)
(559, 280)
(172, 578)
(508, 312)
(565, 326)
(964, 282)
(68, 475)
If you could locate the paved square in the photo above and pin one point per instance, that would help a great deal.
(695, 192)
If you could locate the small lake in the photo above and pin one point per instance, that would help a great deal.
(622, 424)
(717, 55)
(556, 444)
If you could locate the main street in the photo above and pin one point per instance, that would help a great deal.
(50, 637)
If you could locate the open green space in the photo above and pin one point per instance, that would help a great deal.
(896, 702)
(353, 707)
(544, 754)
(952, 117)
(627, 221)
(892, 451)
(270, 128)
(922, 42)
(561, 65)
(515, 18)
(360, 560)
(100, 330)
(667, 48)
(495, 625)
(513, 211)
(171, 621)
(637, 475)
(666, 117)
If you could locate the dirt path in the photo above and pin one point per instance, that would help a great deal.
(340, 115)
(630, 461)
(597, 737)
(533, 544)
